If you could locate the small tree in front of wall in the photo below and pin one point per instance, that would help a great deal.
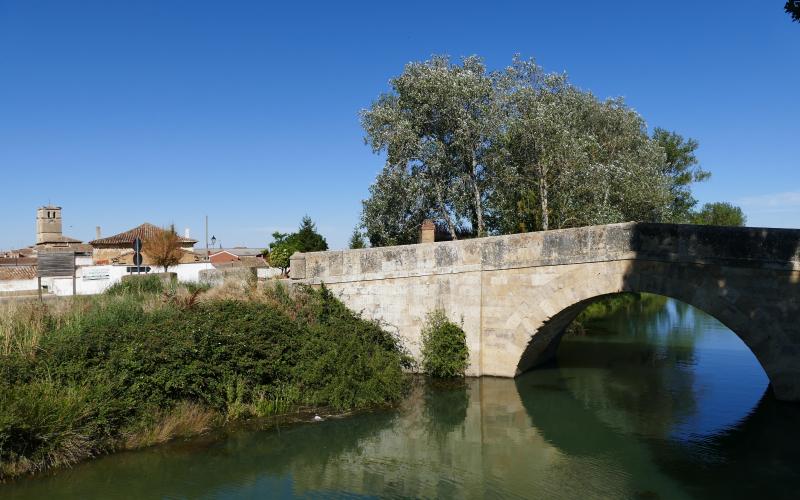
(444, 347)
(280, 257)
(163, 248)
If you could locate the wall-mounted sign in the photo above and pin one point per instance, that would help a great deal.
(96, 273)
(137, 269)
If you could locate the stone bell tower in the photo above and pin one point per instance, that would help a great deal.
(48, 224)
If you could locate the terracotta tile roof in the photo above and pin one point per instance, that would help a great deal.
(144, 231)
(25, 252)
(18, 261)
(61, 239)
(239, 251)
(17, 272)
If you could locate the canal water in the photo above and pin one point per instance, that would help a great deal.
(653, 400)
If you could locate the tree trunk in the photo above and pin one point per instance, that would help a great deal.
(443, 211)
(477, 193)
(543, 196)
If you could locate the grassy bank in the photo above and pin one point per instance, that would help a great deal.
(143, 364)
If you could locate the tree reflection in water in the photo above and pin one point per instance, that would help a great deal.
(445, 403)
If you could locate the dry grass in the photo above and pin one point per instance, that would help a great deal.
(232, 289)
(184, 420)
(22, 325)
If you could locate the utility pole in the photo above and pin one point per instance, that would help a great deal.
(208, 253)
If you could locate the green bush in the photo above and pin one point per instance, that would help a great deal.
(98, 379)
(444, 347)
(148, 283)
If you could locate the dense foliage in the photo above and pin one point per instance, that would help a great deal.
(357, 240)
(515, 150)
(792, 8)
(306, 239)
(444, 347)
(136, 367)
(719, 214)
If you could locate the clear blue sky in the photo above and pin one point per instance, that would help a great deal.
(125, 112)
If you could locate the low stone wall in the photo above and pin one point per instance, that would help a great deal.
(166, 278)
(730, 246)
(216, 277)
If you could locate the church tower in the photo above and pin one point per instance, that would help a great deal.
(48, 224)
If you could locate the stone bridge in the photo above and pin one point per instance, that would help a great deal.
(516, 294)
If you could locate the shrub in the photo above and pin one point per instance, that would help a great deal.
(444, 347)
(109, 372)
(137, 285)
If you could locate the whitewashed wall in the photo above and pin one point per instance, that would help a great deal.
(17, 285)
(63, 286)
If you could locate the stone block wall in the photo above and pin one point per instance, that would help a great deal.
(515, 294)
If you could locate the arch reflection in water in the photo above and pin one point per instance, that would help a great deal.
(650, 404)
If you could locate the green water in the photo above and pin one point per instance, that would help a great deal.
(656, 401)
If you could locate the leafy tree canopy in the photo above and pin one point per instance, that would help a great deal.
(306, 239)
(792, 8)
(515, 150)
(719, 214)
(682, 168)
(357, 240)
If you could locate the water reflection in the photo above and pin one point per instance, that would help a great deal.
(657, 401)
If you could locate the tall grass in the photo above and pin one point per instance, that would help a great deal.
(145, 363)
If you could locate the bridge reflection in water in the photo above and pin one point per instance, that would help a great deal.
(657, 401)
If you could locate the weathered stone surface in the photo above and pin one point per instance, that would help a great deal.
(515, 294)
(216, 277)
(166, 278)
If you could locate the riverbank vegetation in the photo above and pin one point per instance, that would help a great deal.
(496, 152)
(444, 347)
(146, 363)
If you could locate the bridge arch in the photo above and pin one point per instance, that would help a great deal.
(703, 287)
(515, 294)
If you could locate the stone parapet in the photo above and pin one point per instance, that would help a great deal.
(739, 247)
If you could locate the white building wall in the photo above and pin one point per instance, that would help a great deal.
(17, 285)
(63, 286)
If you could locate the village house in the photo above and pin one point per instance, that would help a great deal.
(118, 249)
(49, 236)
(250, 257)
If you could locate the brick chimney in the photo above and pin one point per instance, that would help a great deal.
(427, 233)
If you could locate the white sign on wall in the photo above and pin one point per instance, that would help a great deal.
(96, 273)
